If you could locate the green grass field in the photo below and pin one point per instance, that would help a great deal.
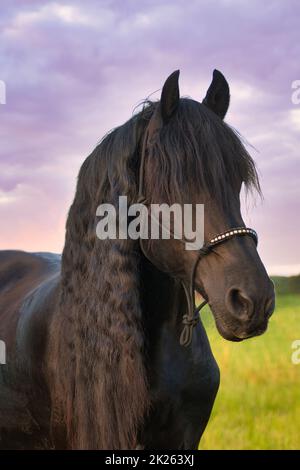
(258, 404)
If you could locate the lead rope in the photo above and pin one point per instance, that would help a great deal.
(192, 317)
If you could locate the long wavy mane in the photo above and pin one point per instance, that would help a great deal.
(99, 365)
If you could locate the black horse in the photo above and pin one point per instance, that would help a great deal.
(94, 359)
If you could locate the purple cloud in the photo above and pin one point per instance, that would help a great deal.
(74, 70)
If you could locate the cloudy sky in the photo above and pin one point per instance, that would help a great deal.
(75, 69)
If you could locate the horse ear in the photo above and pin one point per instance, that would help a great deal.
(217, 96)
(169, 97)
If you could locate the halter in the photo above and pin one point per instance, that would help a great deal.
(192, 317)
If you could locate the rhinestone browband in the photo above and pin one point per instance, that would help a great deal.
(232, 232)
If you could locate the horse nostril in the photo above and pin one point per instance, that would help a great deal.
(239, 304)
